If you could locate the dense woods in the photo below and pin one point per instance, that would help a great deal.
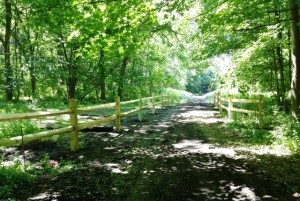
(132, 54)
(88, 49)
(95, 50)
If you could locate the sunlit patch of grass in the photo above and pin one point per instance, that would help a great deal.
(281, 134)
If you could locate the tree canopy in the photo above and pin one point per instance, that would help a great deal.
(95, 50)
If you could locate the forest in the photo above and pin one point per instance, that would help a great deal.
(57, 50)
(93, 51)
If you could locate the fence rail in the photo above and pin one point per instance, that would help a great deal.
(259, 112)
(74, 111)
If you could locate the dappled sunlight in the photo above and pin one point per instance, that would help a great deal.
(167, 158)
(46, 195)
(198, 116)
(112, 167)
(236, 192)
(115, 168)
(197, 146)
(264, 150)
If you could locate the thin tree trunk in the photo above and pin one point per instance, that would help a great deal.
(72, 81)
(290, 58)
(122, 74)
(32, 71)
(8, 67)
(16, 64)
(280, 63)
(295, 35)
(102, 75)
(72, 72)
(276, 80)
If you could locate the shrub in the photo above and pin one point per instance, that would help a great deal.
(16, 128)
(13, 182)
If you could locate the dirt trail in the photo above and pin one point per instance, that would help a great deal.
(165, 157)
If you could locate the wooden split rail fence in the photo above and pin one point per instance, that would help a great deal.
(75, 127)
(230, 100)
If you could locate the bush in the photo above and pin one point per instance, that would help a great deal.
(13, 183)
(16, 128)
(177, 96)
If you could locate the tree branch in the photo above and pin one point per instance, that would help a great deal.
(261, 26)
(209, 10)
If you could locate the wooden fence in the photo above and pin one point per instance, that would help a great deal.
(230, 100)
(75, 127)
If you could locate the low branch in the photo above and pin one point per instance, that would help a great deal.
(261, 26)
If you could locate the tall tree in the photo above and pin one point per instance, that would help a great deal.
(295, 85)
(6, 41)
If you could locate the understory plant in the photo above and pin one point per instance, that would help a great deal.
(17, 128)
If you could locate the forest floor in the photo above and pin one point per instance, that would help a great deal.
(180, 153)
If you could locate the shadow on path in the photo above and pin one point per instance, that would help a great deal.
(164, 158)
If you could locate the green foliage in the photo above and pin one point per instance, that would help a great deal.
(200, 84)
(52, 104)
(177, 96)
(245, 128)
(14, 182)
(16, 128)
(19, 107)
(286, 132)
(282, 134)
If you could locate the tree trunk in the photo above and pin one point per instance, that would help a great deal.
(295, 36)
(72, 71)
(276, 80)
(32, 72)
(290, 58)
(122, 74)
(7, 63)
(280, 64)
(281, 75)
(102, 75)
(72, 81)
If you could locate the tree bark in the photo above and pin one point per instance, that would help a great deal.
(72, 81)
(102, 75)
(280, 64)
(290, 58)
(32, 70)
(122, 74)
(276, 80)
(295, 44)
(7, 62)
(72, 72)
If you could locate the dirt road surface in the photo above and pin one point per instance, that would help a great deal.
(166, 157)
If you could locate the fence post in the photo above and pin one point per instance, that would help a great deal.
(118, 114)
(216, 100)
(162, 101)
(220, 102)
(153, 103)
(260, 112)
(140, 114)
(168, 100)
(230, 106)
(74, 124)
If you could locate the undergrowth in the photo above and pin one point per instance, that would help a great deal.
(279, 130)
(14, 182)
(17, 128)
